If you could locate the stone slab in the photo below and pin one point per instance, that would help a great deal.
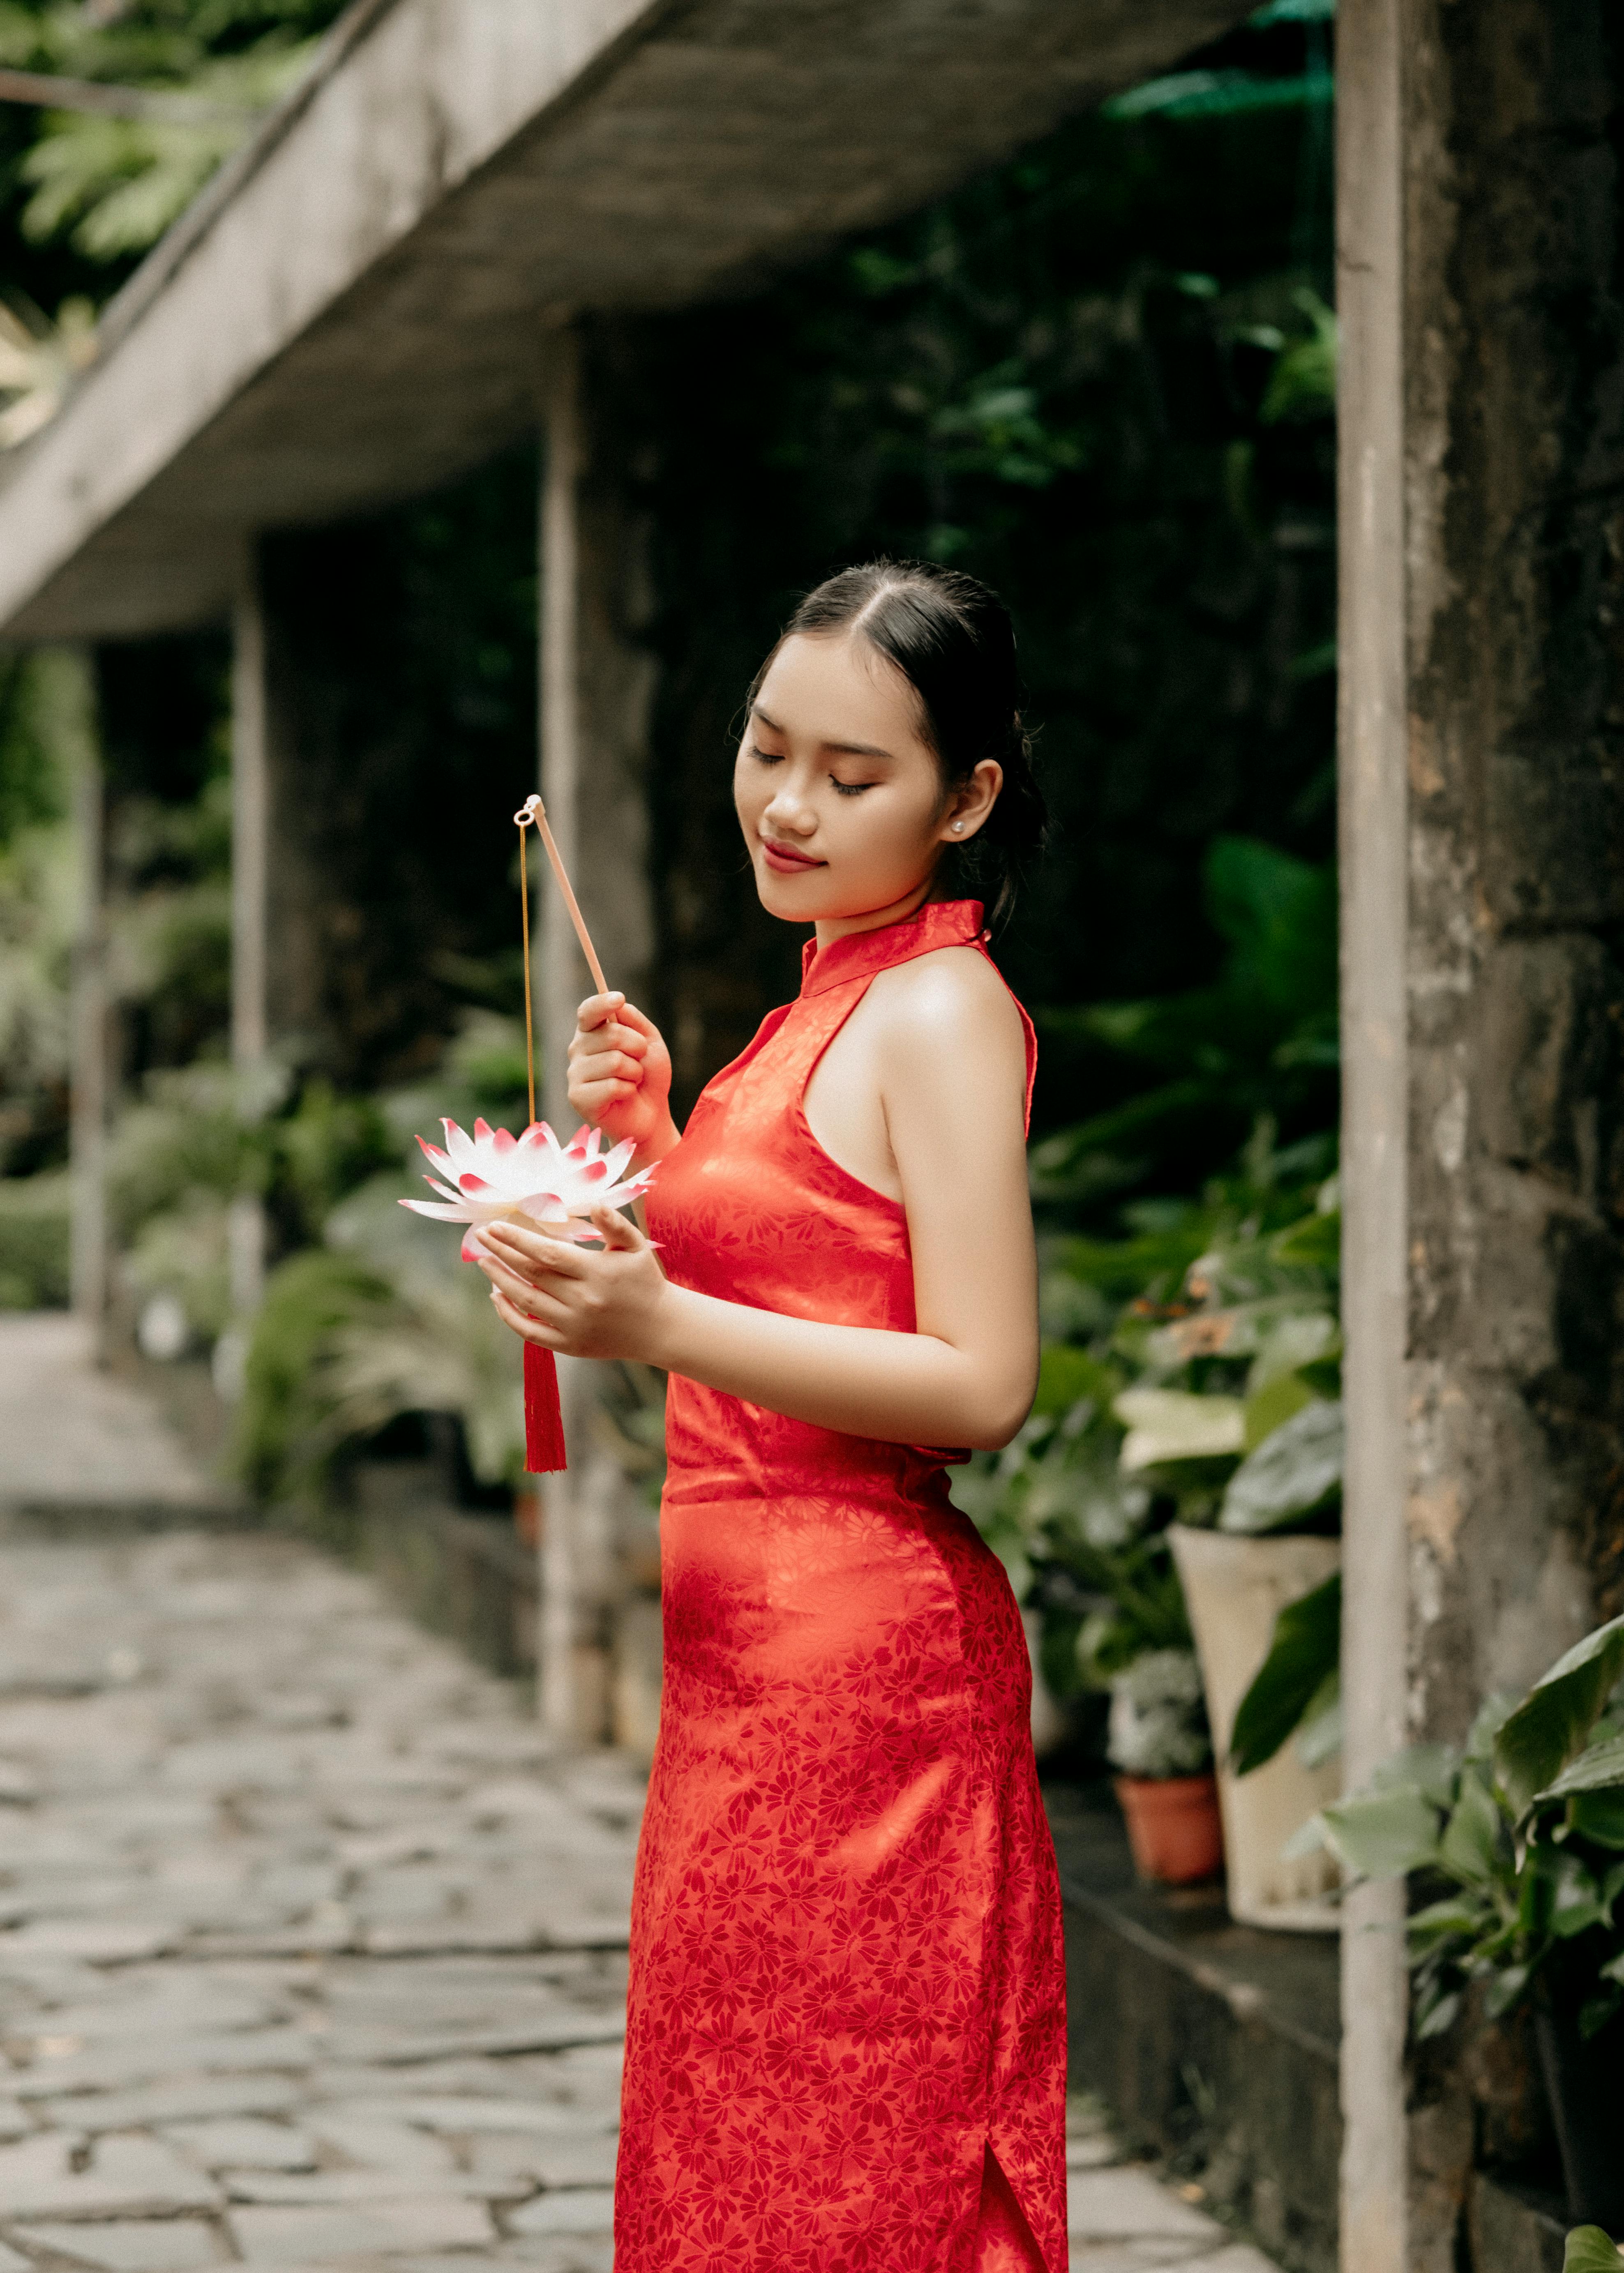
(128, 2177)
(74, 1437)
(174, 2244)
(288, 2235)
(584, 2210)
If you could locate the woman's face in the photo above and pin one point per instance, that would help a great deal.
(841, 800)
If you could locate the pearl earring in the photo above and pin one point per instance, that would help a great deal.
(957, 825)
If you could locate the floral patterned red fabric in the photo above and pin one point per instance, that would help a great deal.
(847, 1988)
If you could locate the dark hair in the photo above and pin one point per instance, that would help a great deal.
(952, 638)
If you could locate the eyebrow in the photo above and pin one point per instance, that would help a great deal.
(839, 749)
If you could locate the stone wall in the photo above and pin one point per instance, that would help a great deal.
(1515, 414)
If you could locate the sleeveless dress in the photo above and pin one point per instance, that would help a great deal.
(846, 2046)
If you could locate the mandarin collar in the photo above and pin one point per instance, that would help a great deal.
(860, 954)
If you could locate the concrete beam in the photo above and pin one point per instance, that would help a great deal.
(348, 315)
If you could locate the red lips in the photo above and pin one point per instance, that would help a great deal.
(785, 859)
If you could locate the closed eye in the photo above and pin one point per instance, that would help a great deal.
(767, 757)
(850, 789)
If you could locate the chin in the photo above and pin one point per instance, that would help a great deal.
(794, 899)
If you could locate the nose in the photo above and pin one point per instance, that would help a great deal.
(788, 811)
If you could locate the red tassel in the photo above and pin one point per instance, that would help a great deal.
(543, 1421)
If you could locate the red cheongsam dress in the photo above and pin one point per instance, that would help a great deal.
(846, 2050)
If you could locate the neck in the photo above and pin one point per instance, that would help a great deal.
(834, 927)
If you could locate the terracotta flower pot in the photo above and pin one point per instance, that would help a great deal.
(1174, 1826)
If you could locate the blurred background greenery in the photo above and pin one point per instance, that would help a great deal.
(1102, 376)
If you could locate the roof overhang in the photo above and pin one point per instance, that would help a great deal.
(357, 307)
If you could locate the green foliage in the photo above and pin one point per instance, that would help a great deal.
(1158, 1718)
(283, 1441)
(1505, 1836)
(46, 709)
(387, 1321)
(1219, 94)
(1294, 1475)
(1211, 1319)
(1550, 1726)
(33, 787)
(1262, 1040)
(1296, 1680)
(33, 1241)
(1588, 2250)
(113, 185)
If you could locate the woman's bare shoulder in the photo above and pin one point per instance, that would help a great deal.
(952, 1000)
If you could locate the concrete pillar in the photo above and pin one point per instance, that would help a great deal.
(251, 855)
(1374, 905)
(87, 1129)
(596, 690)
(1483, 848)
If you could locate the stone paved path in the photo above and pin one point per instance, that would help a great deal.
(73, 1438)
(312, 1950)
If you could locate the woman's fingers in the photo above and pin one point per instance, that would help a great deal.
(618, 1230)
(532, 1253)
(606, 1065)
(528, 1329)
(597, 1008)
(591, 1097)
(525, 1292)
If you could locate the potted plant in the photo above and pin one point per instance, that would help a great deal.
(1237, 1416)
(1160, 1747)
(1517, 1839)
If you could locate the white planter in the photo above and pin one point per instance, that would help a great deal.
(1236, 1588)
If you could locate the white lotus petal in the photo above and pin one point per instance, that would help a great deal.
(438, 1214)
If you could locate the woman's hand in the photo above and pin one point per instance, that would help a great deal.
(585, 1301)
(619, 1076)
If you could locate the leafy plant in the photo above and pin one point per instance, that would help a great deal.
(33, 1241)
(1211, 1327)
(1297, 1688)
(1519, 1837)
(1158, 1719)
(1588, 2250)
(114, 184)
(1261, 1040)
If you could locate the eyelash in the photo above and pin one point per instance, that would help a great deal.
(840, 788)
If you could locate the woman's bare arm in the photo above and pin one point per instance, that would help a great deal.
(952, 1081)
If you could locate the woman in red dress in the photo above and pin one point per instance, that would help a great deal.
(846, 2050)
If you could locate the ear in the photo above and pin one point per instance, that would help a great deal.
(969, 805)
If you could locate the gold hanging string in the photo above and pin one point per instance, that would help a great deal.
(533, 810)
(524, 819)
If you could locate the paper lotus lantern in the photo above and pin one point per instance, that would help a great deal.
(494, 1176)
